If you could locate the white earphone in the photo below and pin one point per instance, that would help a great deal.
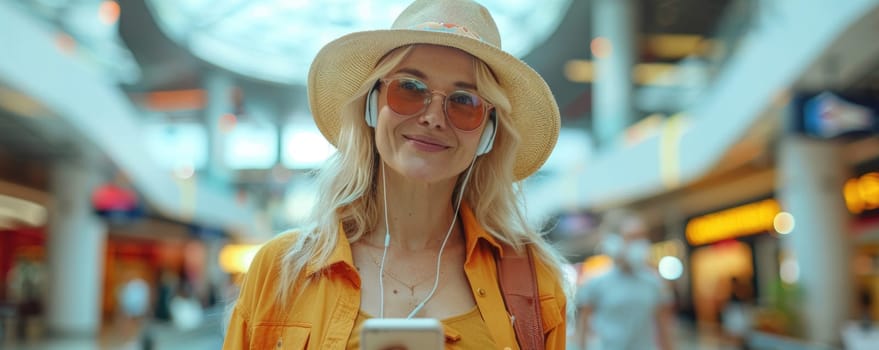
(372, 107)
(439, 258)
(485, 141)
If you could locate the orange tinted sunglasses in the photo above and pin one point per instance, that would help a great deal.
(465, 110)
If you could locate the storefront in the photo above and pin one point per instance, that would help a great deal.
(22, 271)
(862, 200)
(733, 253)
(154, 251)
(738, 250)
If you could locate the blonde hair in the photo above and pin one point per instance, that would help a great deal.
(348, 198)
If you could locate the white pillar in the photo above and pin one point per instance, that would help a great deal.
(811, 177)
(76, 251)
(219, 87)
(217, 279)
(612, 101)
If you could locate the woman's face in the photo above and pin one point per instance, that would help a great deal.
(425, 146)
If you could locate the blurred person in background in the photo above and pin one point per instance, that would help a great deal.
(434, 126)
(863, 333)
(165, 291)
(133, 298)
(737, 313)
(26, 283)
(628, 307)
(186, 309)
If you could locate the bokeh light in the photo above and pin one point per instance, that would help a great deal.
(790, 271)
(601, 47)
(783, 223)
(108, 12)
(184, 171)
(670, 268)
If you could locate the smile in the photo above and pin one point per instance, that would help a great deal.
(426, 145)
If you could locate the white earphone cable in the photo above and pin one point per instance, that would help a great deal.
(442, 247)
(439, 258)
(381, 272)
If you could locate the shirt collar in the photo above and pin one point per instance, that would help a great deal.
(474, 232)
(340, 260)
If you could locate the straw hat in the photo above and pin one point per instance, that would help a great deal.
(341, 67)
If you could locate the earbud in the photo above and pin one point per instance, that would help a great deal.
(371, 110)
(487, 138)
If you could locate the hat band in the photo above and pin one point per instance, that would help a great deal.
(446, 28)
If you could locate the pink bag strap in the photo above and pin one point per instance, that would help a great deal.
(518, 282)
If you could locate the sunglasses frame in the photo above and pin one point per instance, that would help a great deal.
(487, 107)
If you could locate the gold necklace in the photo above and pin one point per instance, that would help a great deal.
(375, 260)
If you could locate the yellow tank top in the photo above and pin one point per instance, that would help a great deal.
(467, 331)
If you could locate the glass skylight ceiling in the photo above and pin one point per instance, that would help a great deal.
(276, 40)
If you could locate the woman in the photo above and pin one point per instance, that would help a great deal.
(434, 124)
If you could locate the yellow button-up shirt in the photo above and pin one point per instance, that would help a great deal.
(324, 313)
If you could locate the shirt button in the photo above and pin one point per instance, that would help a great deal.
(280, 344)
(508, 348)
(481, 292)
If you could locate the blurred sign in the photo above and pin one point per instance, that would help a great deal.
(574, 224)
(830, 115)
(862, 193)
(116, 203)
(205, 233)
(177, 144)
(236, 258)
(251, 145)
(744, 220)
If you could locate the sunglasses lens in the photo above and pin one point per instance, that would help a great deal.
(466, 111)
(406, 96)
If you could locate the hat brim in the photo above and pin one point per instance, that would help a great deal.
(341, 67)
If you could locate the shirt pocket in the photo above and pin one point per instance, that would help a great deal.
(550, 313)
(280, 336)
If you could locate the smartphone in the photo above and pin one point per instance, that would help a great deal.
(402, 333)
